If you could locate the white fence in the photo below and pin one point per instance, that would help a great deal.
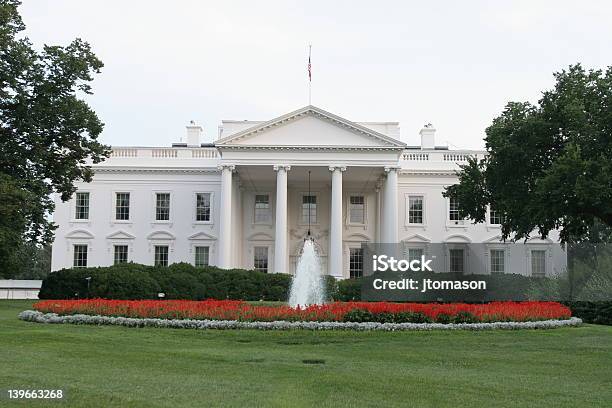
(19, 289)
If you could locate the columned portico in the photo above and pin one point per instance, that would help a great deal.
(335, 267)
(225, 217)
(390, 210)
(281, 256)
(281, 205)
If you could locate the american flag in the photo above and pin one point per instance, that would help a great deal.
(309, 66)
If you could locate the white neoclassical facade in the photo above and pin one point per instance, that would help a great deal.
(245, 201)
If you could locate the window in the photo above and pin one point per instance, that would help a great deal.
(260, 259)
(80, 256)
(456, 260)
(453, 210)
(162, 207)
(121, 254)
(262, 209)
(309, 206)
(495, 217)
(122, 206)
(415, 209)
(357, 209)
(201, 256)
(82, 206)
(203, 207)
(356, 262)
(415, 254)
(161, 255)
(497, 261)
(538, 263)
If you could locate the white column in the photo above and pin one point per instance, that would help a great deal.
(334, 264)
(379, 200)
(225, 217)
(389, 213)
(281, 258)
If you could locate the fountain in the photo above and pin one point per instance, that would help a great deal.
(308, 286)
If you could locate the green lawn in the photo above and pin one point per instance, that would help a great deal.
(113, 366)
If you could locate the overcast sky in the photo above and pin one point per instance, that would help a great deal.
(452, 63)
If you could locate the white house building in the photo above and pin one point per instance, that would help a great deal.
(244, 201)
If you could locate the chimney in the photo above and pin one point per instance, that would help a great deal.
(428, 137)
(193, 134)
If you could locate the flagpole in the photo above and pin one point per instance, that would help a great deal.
(309, 76)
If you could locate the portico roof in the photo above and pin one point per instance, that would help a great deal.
(324, 131)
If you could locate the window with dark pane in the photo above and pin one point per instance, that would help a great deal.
(415, 209)
(260, 259)
(263, 213)
(356, 262)
(201, 256)
(82, 206)
(497, 261)
(495, 217)
(357, 209)
(122, 206)
(121, 254)
(453, 210)
(309, 206)
(80, 256)
(162, 206)
(161, 255)
(203, 207)
(456, 260)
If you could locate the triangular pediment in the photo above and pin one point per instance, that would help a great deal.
(80, 234)
(416, 238)
(202, 236)
(120, 235)
(457, 239)
(260, 236)
(161, 235)
(310, 127)
(494, 240)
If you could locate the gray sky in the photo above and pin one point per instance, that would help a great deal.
(452, 63)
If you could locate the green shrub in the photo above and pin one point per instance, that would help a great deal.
(465, 317)
(444, 318)
(599, 312)
(177, 281)
(331, 287)
(359, 315)
(418, 317)
(348, 289)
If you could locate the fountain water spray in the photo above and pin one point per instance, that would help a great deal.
(307, 287)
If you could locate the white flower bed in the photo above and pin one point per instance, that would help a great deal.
(39, 317)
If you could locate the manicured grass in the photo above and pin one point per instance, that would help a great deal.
(114, 366)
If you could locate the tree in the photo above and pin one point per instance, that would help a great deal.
(48, 134)
(548, 166)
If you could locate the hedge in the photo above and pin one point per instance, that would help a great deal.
(177, 281)
(599, 312)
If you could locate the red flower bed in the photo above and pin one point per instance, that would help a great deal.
(338, 311)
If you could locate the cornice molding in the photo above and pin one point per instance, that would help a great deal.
(313, 148)
(425, 172)
(159, 170)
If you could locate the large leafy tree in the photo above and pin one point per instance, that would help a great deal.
(549, 165)
(48, 134)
